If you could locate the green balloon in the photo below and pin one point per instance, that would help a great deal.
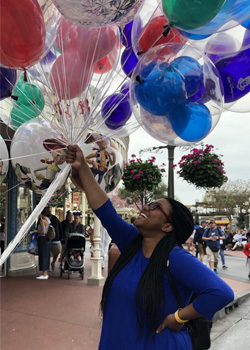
(21, 114)
(191, 14)
(29, 95)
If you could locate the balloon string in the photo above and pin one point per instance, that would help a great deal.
(57, 183)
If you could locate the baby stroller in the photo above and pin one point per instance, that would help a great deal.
(74, 254)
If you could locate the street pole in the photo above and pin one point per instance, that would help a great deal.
(170, 163)
(170, 171)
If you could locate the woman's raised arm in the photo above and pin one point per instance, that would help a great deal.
(83, 178)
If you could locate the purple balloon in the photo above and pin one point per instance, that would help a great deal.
(116, 111)
(235, 75)
(7, 82)
(128, 61)
(126, 34)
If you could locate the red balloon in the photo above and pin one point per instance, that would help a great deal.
(102, 66)
(153, 31)
(70, 75)
(91, 43)
(22, 32)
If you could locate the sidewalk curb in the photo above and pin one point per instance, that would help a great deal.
(239, 299)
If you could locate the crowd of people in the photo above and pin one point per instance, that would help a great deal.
(55, 248)
(210, 240)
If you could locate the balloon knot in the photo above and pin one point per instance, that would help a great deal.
(14, 97)
(140, 53)
(138, 78)
(166, 30)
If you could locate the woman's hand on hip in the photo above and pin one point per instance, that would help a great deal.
(170, 323)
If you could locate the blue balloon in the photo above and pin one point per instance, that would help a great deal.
(246, 24)
(194, 36)
(126, 34)
(159, 88)
(191, 122)
(116, 111)
(128, 61)
(192, 72)
(7, 81)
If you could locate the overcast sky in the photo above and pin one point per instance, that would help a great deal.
(231, 138)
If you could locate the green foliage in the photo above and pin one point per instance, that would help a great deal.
(202, 168)
(142, 180)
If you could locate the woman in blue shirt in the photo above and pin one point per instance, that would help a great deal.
(140, 310)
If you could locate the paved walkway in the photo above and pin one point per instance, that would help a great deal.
(59, 314)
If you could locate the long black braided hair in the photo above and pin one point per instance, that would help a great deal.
(149, 297)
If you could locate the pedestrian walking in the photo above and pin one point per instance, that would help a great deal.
(43, 245)
(140, 310)
(55, 243)
(198, 241)
(212, 237)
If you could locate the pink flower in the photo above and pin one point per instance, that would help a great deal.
(136, 176)
(138, 159)
(133, 155)
(132, 171)
(163, 164)
(195, 162)
(163, 170)
(151, 160)
(173, 166)
(219, 168)
(132, 161)
(140, 172)
(216, 161)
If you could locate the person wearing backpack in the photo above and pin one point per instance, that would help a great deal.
(212, 237)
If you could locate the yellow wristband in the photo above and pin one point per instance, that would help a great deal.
(178, 319)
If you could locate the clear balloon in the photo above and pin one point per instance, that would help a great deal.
(105, 160)
(94, 14)
(52, 18)
(154, 33)
(70, 75)
(22, 31)
(161, 90)
(38, 154)
(91, 43)
(150, 28)
(4, 160)
(160, 128)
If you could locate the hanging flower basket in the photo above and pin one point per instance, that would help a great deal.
(141, 175)
(202, 168)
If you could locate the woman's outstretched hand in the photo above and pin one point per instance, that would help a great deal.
(75, 156)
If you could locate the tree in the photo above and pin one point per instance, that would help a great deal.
(229, 196)
(142, 181)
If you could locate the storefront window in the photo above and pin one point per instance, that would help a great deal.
(24, 209)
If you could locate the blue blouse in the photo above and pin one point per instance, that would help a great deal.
(120, 326)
